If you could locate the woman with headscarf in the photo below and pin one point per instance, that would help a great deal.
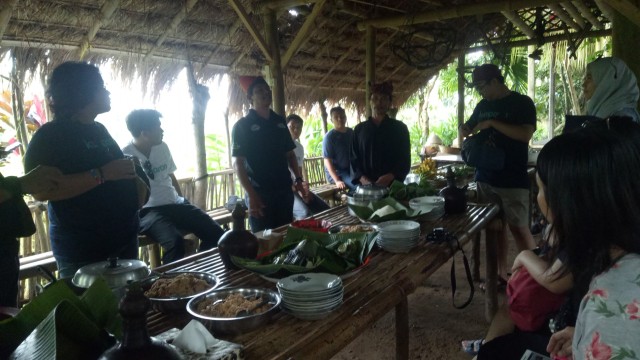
(611, 88)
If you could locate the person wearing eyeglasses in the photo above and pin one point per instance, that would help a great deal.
(93, 214)
(507, 120)
(167, 214)
(611, 89)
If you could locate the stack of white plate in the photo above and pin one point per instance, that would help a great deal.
(311, 296)
(398, 236)
(430, 207)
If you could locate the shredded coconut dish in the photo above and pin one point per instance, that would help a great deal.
(233, 305)
(179, 286)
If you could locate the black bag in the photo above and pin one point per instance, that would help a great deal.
(480, 151)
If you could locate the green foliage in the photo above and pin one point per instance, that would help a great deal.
(216, 149)
(416, 137)
(447, 130)
(312, 136)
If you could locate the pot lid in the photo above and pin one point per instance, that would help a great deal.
(115, 272)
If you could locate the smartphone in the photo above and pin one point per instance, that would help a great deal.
(532, 355)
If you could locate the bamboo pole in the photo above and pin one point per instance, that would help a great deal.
(371, 66)
(452, 12)
(552, 90)
(586, 12)
(200, 98)
(242, 14)
(177, 19)
(303, 33)
(106, 13)
(275, 67)
(461, 85)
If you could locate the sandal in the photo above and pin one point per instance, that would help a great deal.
(501, 286)
(471, 347)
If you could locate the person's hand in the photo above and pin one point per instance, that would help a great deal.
(365, 180)
(560, 343)
(465, 130)
(341, 185)
(385, 180)
(119, 169)
(256, 206)
(42, 179)
(302, 188)
(517, 262)
(483, 125)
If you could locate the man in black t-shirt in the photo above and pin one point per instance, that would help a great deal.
(508, 120)
(263, 155)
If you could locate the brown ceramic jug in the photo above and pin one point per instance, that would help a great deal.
(238, 241)
(455, 199)
(136, 342)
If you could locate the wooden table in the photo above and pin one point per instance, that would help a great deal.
(380, 286)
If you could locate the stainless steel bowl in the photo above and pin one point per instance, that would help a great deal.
(356, 200)
(372, 191)
(116, 272)
(236, 325)
(177, 304)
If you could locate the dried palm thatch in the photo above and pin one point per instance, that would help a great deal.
(321, 43)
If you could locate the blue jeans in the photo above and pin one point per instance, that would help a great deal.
(278, 209)
(345, 175)
(166, 225)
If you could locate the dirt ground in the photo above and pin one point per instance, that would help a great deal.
(436, 327)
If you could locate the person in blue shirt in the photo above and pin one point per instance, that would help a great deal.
(336, 151)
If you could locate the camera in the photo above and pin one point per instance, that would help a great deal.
(439, 235)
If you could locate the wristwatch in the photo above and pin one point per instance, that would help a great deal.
(299, 179)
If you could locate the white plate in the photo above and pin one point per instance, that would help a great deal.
(399, 226)
(427, 201)
(310, 282)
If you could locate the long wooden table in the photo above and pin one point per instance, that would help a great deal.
(375, 289)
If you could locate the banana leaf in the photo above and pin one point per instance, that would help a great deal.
(98, 303)
(384, 210)
(66, 333)
(326, 254)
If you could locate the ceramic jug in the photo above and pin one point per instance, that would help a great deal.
(455, 199)
(238, 241)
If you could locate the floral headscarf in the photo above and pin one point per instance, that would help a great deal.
(616, 88)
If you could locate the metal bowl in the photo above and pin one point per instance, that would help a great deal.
(236, 325)
(372, 191)
(177, 304)
(336, 229)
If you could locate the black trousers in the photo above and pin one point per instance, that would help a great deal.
(514, 345)
(166, 225)
(9, 271)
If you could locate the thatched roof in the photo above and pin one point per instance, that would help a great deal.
(322, 42)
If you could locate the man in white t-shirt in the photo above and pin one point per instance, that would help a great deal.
(310, 204)
(167, 215)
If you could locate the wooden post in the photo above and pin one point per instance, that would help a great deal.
(461, 84)
(370, 67)
(552, 90)
(624, 34)
(531, 74)
(271, 27)
(200, 98)
(324, 115)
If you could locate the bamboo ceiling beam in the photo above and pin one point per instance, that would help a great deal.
(262, 44)
(177, 19)
(285, 4)
(586, 12)
(303, 33)
(547, 39)
(5, 15)
(605, 8)
(405, 30)
(566, 18)
(106, 12)
(519, 23)
(574, 13)
(323, 50)
(362, 62)
(237, 23)
(626, 9)
(455, 12)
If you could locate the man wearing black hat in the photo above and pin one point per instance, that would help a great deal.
(380, 149)
(263, 155)
(506, 119)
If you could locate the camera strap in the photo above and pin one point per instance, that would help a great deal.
(467, 269)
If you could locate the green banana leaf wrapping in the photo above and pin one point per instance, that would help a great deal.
(98, 304)
(331, 253)
(384, 210)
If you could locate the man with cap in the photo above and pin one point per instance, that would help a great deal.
(380, 149)
(263, 156)
(508, 120)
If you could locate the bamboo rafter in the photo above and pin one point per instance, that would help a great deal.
(574, 13)
(626, 9)
(303, 33)
(244, 16)
(177, 19)
(106, 12)
(564, 16)
(519, 23)
(586, 12)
